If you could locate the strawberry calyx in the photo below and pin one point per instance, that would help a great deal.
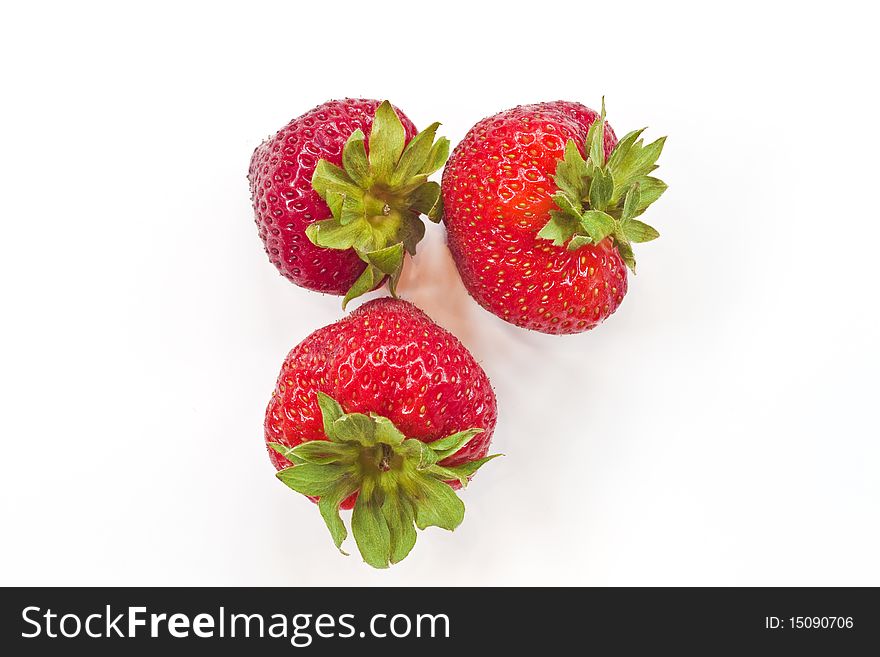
(599, 198)
(377, 200)
(400, 482)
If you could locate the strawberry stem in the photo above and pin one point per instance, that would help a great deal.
(400, 481)
(599, 199)
(376, 201)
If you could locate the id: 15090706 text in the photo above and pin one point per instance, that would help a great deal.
(809, 623)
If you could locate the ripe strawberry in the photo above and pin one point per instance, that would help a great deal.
(357, 201)
(541, 235)
(388, 412)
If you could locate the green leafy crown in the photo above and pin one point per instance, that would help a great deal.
(377, 200)
(399, 480)
(598, 198)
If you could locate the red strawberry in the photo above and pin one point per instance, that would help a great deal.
(382, 407)
(337, 211)
(541, 235)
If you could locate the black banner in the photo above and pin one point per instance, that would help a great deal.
(106, 621)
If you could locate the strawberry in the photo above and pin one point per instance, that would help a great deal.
(387, 412)
(541, 212)
(336, 211)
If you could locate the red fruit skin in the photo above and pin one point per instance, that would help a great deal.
(389, 358)
(497, 189)
(285, 204)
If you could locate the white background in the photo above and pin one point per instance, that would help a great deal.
(720, 428)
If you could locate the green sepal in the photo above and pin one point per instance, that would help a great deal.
(650, 189)
(330, 412)
(370, 529)
(334, 199)
(630, 202)
(414, 156)
(351, 210)
(577, 242)
(437, 505)
(622, 148)
(399, 483)
(572, 172)
(423, 456)
(355, 428)
(389, 261)
(446, 474)
(425, 198)
(322, 452)
(436, 213)
(463, 472)
(567, 205)
(402, 532)
(387, 140)
(287, 452)
(638, 231)
(446, 447)
(470, 467)
(311, 478)
(386, 432)
(561, 227)
(354, 160)
(366, 282)
(328, 506)
(378, 196)
(333, 234)
(633, 229)
(596, 139)
(640, 160)
(329, 177)
(626, 254)
(437, 157)
(319, 452)
(600, 198)
(411, 233)
(382, 264)
(597, 225)
(601, 189)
